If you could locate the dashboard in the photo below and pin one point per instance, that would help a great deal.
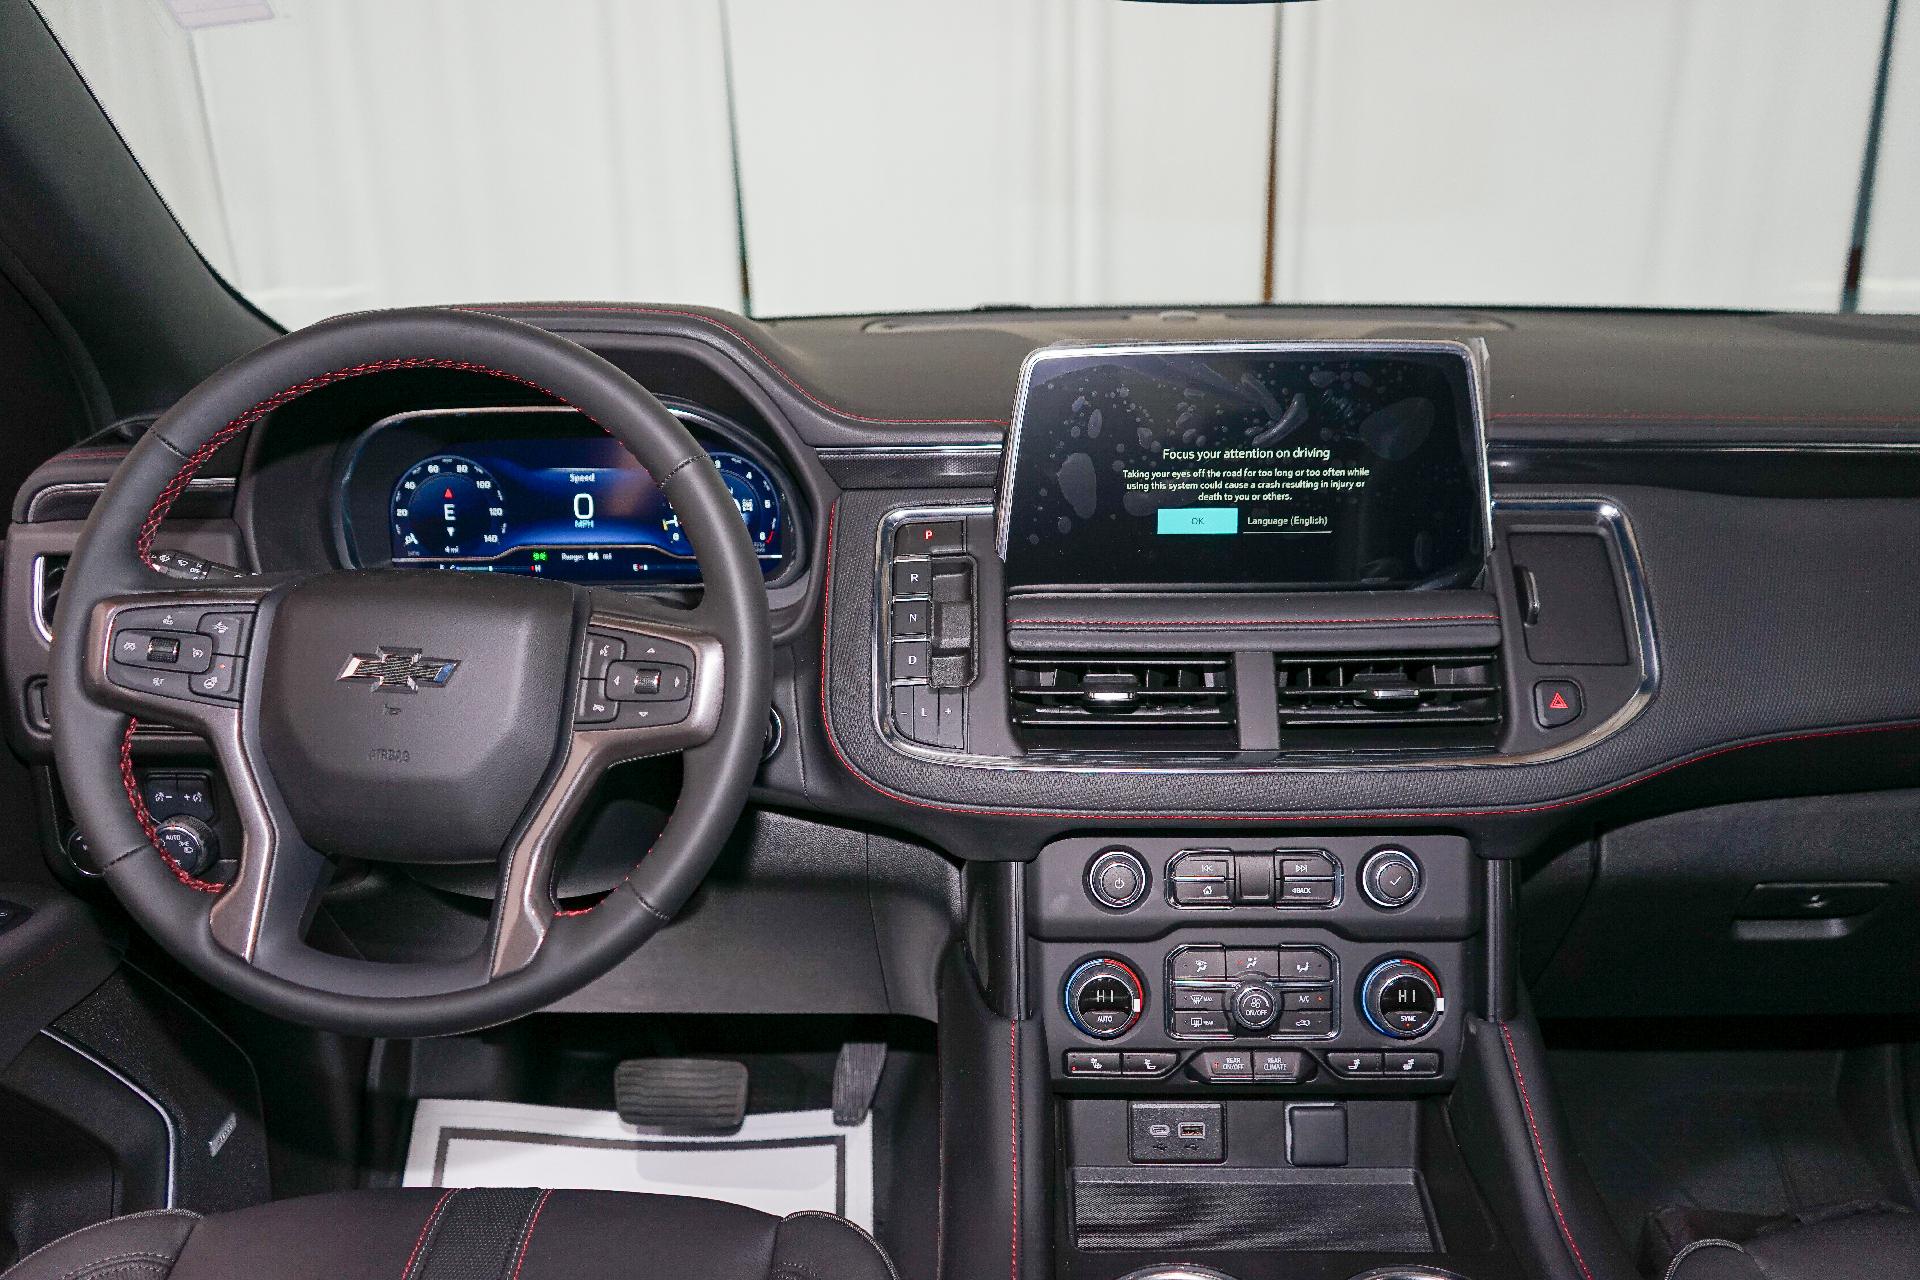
(541, 491)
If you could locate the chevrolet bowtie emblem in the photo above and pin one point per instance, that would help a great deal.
(398, 670)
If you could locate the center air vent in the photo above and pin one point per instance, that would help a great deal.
(1160, 696)
(1372, 702)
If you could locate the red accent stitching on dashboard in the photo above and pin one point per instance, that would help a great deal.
(1706, 416)
(1540, 1153)
(143, 544)
(1179, 625)
(833, 741)
(145, 818)
(751, 345)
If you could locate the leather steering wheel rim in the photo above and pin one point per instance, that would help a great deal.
(565, 950)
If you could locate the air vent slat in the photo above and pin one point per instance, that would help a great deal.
(1389, 701)
(1060, 695)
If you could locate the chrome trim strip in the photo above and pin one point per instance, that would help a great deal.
(173, 1134)
(1473, 354)
(204, 484)
(1612, 520)
(38, 597)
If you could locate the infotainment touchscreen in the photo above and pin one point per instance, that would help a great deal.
(1326, 466)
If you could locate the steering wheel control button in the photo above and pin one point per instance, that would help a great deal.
(221, 680)
(595, 706)
(1410, 1064)
(166, 684)
(1117, 879)
(1256, 1007)
(1556, 703)
(602, 652)
(1349, 1064)
(1390, 878)
(1104, 998)
(1401, 998)
(1284, 1066)
(228, 631)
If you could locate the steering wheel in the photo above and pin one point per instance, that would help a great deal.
(405, 716)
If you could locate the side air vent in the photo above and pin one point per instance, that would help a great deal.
(49, 572)
(1124, 702)
(1389, 702)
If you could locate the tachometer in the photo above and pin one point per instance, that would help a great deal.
(758, 498)
(448, 506)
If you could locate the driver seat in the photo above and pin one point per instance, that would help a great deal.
(479, 1233)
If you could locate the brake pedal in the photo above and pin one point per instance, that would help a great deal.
(681, 1096)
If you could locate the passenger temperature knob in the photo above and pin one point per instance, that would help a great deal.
(1401, 998)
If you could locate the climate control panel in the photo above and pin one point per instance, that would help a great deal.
(1219, 993)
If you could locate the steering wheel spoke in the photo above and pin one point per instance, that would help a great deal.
(649, 683)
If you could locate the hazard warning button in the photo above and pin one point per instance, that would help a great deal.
(1556, 702)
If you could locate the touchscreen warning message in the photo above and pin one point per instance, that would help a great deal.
(1244, 468)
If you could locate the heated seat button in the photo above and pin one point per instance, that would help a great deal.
(1156, 1063)
(1345, 1063)
(1082, 1063)
(1410, 1064)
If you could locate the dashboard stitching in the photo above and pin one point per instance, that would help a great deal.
(766, 359)
(1548, 806)
(1540, 1153)
(145, 818)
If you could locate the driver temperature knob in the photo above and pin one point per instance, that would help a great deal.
(1105, 998)
(191, 843)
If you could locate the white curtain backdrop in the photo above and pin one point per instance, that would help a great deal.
(903, 154)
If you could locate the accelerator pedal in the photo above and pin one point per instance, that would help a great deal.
(856, 1078)
(683, 1096)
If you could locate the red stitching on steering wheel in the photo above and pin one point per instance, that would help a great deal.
(143, 544)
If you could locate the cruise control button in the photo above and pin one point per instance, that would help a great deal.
(1083, 1063)
(163, 649)
(1224, 1065)
(220, 680)
(1201, 1024)
(1149, 1064)
(1353, 1064)
(228, 631)
(1305, 966)
(1410, 1064)
(1206, 963)
(1284, 1066)
(595, 707)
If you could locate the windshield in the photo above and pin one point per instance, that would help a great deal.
(785, 157)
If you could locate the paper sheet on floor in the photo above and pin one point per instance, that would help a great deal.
(779, 1162)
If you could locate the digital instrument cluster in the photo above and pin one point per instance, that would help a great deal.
(560, 504)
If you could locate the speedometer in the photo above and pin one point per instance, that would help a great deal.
(448, 506)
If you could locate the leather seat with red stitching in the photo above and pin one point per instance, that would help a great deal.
(474, 1234)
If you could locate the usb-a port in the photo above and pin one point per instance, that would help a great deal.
(1193, 1129)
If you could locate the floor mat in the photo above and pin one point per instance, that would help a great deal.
(1744, 1132)
(779, 1162)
